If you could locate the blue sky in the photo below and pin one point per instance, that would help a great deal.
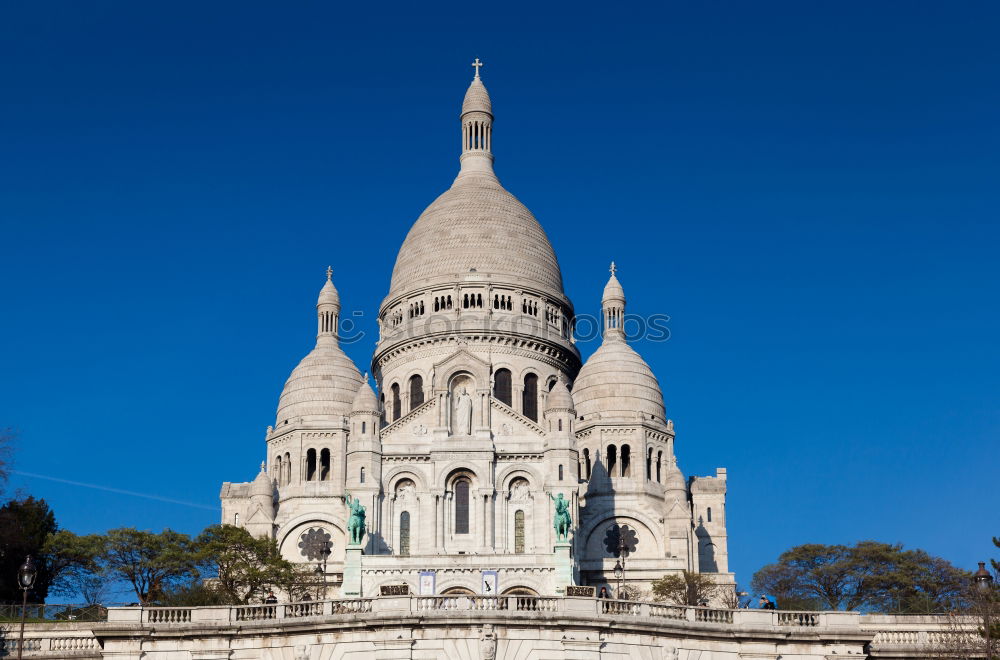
(808, 190)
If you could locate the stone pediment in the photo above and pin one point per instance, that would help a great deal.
(461, 360)
(507, 423)
(415, 426)
(258, 516)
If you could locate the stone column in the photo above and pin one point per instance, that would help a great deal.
(351, 587)
(564, 568)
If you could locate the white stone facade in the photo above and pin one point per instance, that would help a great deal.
(484, 412)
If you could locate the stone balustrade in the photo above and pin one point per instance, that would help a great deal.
(51, 640)
(615, 623)
(509, 605)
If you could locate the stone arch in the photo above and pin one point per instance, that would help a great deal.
(519, 590)
(502, 384)
(511, 472)
(461, 360)
(458, 589)
(642, 523)
(531, 399)
(396, 400)
(288, 542)
(397, 474)
(452, 470)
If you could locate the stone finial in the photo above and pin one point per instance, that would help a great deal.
(263, 466)
(329, 273)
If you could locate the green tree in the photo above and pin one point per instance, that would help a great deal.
(685, 589)
(244, 567)
(25, 524)
(870, 575)
(150, 562)
(74, 564)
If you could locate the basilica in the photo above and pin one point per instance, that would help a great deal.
(481, 415)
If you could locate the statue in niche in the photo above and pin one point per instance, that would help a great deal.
(463, 414)
(519, 490)
(405, 491)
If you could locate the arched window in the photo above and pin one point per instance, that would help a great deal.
(649, 464)
(397, 406)
(659, 462)
(288, 468)
(612, 453)
(404, 533)
(361, 477)
(502, 386)
(709, 514)
(560, 472)
(416, 391)
(277, 473)
(364, 427)
(236, 520)
(462, 506)
(324, 465)
(626, 459)
(519, 532)
(310, 465)
(529, 399)
(586, 463)
(560, 423)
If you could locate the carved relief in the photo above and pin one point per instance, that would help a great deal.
(519, 490)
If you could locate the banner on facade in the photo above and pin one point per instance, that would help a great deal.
(428, 580)
(490, 583)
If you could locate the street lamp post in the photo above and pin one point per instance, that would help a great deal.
(984, 584)
(321, 572)
(620, 565)
(25, 579)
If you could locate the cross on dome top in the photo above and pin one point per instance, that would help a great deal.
(329, 273)
(614, 268)
(477, 64)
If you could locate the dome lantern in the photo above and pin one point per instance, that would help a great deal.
(477, 129)
(328, 310)
(613, 306)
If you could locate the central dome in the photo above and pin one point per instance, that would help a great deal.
(476, 224)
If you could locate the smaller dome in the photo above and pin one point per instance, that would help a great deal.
(321, 388)
(477, 99)
(365, 400)
(616, 383)
(559, 398)
(328, 294)
(262, 484)
(674, 477)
